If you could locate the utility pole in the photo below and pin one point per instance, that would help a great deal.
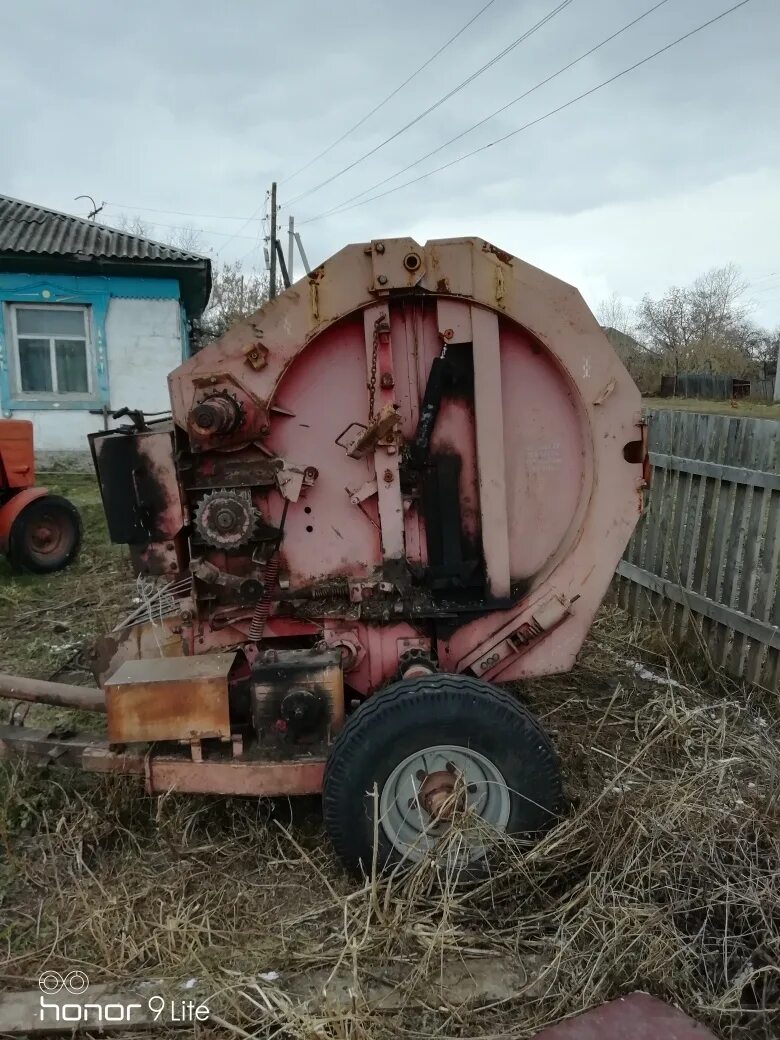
(298, 242)
(274, 254)
(272, 282)
(290, 247)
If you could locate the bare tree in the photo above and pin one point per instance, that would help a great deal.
(615, 313)
(765, 351)
(184, 238)
(619, 321)
(703, 326)
(235, 294)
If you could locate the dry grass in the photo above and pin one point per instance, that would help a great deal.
(664, 876)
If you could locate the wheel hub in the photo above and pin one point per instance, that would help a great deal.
(42, 536)
(45, 536)
(442, 794)
(437, 788)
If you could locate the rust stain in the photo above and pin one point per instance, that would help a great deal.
(258, 778)
(257, 355)
(503, 256)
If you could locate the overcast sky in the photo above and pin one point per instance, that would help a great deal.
(192, 106)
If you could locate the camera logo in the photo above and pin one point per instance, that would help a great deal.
(104, 1009)
(74, 982)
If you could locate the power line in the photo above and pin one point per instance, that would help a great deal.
(188, 227)
(542, 118)
(497, 112)
(179, 227)
(264, 236)
(428, 155)
(246, 224)
(392, 93)
(455, 90)
(175, 212)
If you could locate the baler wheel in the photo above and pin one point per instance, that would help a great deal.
(45, 536)
(452, 758)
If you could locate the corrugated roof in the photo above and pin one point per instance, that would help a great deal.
(25, 228)
(34, 239)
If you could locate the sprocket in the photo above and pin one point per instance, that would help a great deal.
(226, 519)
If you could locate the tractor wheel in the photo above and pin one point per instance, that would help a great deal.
(443, 752)
(45, 536)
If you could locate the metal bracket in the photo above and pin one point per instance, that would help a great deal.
(378, 430)
(514, 638)
(291, 479)
(367, 490)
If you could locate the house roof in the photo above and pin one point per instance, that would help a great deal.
(45, 239)
(624, 343)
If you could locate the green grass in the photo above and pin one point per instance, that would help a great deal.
(744, 406)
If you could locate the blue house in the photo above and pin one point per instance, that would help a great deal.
(91, 319)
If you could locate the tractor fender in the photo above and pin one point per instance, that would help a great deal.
(12, 508)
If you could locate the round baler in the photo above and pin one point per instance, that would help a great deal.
(407, 479)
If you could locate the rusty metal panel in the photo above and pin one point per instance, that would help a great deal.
(255, 778)
(170, 698)
(138, 484)
(300, 692)
(635, 1017)
(264, 773)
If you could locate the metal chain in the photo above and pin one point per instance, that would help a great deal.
(372, 380)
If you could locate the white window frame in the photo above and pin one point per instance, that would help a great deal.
(55, 395)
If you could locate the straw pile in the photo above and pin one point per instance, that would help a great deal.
(665, 876)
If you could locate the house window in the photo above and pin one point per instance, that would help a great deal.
(51, 352)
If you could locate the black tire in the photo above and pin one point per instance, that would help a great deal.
(45, 536)
(415, 714)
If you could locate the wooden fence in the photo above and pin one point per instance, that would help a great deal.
(705, 557)
(708, 386)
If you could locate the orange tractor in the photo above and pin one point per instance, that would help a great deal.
(39, 532)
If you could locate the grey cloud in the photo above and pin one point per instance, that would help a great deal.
(197, 106)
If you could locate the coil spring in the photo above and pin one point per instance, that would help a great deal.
(336, 588)
(263, 608)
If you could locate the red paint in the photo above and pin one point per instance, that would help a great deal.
(17, 462)
(635, 1017)
(17, 474)
(237, 777)
(12, 508)
(556, 491)
(547, 497)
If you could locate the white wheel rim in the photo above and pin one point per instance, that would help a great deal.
(409, 819)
